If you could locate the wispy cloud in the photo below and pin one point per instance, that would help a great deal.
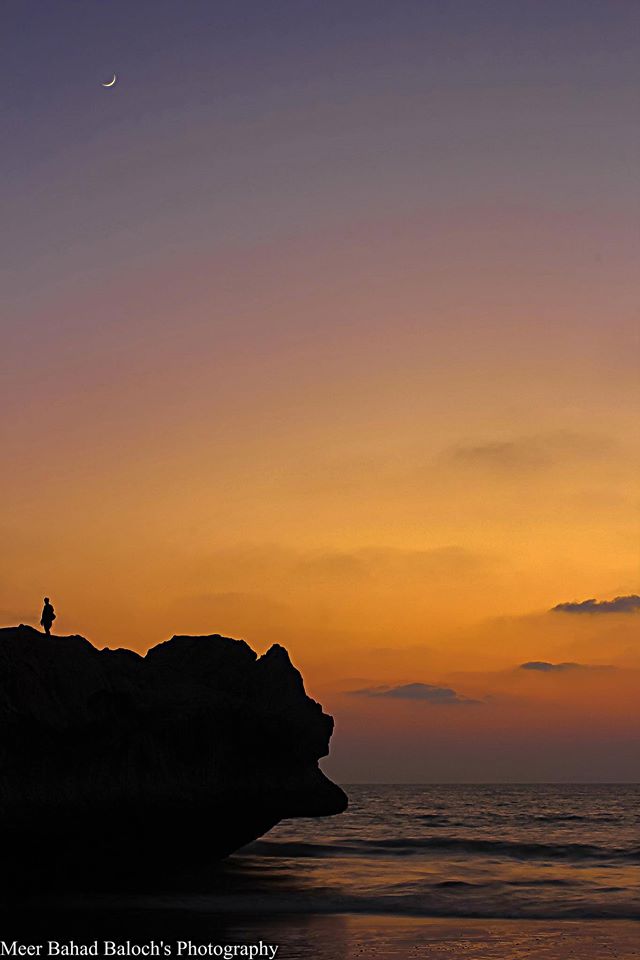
(371, 562)
(627, 604)
(529, 452)
(426, 692)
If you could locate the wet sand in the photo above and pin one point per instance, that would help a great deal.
(390, 938)
(335, 937)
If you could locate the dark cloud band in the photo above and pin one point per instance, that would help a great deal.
(628, 604)
(543, 666)
(425, 692)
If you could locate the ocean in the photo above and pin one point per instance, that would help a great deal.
(524, 851)
(502, 851)
(474, 871)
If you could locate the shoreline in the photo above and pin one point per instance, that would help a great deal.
(344, 936)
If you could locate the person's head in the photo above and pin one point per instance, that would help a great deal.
(46, 599)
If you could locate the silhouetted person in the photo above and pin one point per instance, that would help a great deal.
(48, 616)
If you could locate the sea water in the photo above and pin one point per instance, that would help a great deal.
(503, 851)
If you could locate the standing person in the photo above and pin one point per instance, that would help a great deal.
(48, 616)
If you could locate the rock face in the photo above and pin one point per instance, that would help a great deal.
(117, 764)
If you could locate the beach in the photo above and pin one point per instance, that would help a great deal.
(377, 937)
(392, 938)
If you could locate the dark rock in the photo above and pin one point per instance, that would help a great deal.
(115, 764)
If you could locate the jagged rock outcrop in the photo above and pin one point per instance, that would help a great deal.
(115, 764)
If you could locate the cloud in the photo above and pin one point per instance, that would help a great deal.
(425, 692)
(628, 604)
(334, 566)
(242, 568)
(529, 452)
(496, 454)
(383, 562)
(201, 610)
(543, 666)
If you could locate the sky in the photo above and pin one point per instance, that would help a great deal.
(320, 327)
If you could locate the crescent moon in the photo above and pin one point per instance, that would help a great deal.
(111, 82)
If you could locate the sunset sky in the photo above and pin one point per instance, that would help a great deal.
(320, 327)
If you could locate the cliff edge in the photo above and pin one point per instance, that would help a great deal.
(118, 764)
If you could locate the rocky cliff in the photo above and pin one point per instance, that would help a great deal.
(117, 764)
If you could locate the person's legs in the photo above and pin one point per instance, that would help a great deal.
(47, 629)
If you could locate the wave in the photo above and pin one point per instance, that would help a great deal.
(573, 818)
(520, 850)
(558, 817)
(294, 849)
(462, 900)
(406, 846)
